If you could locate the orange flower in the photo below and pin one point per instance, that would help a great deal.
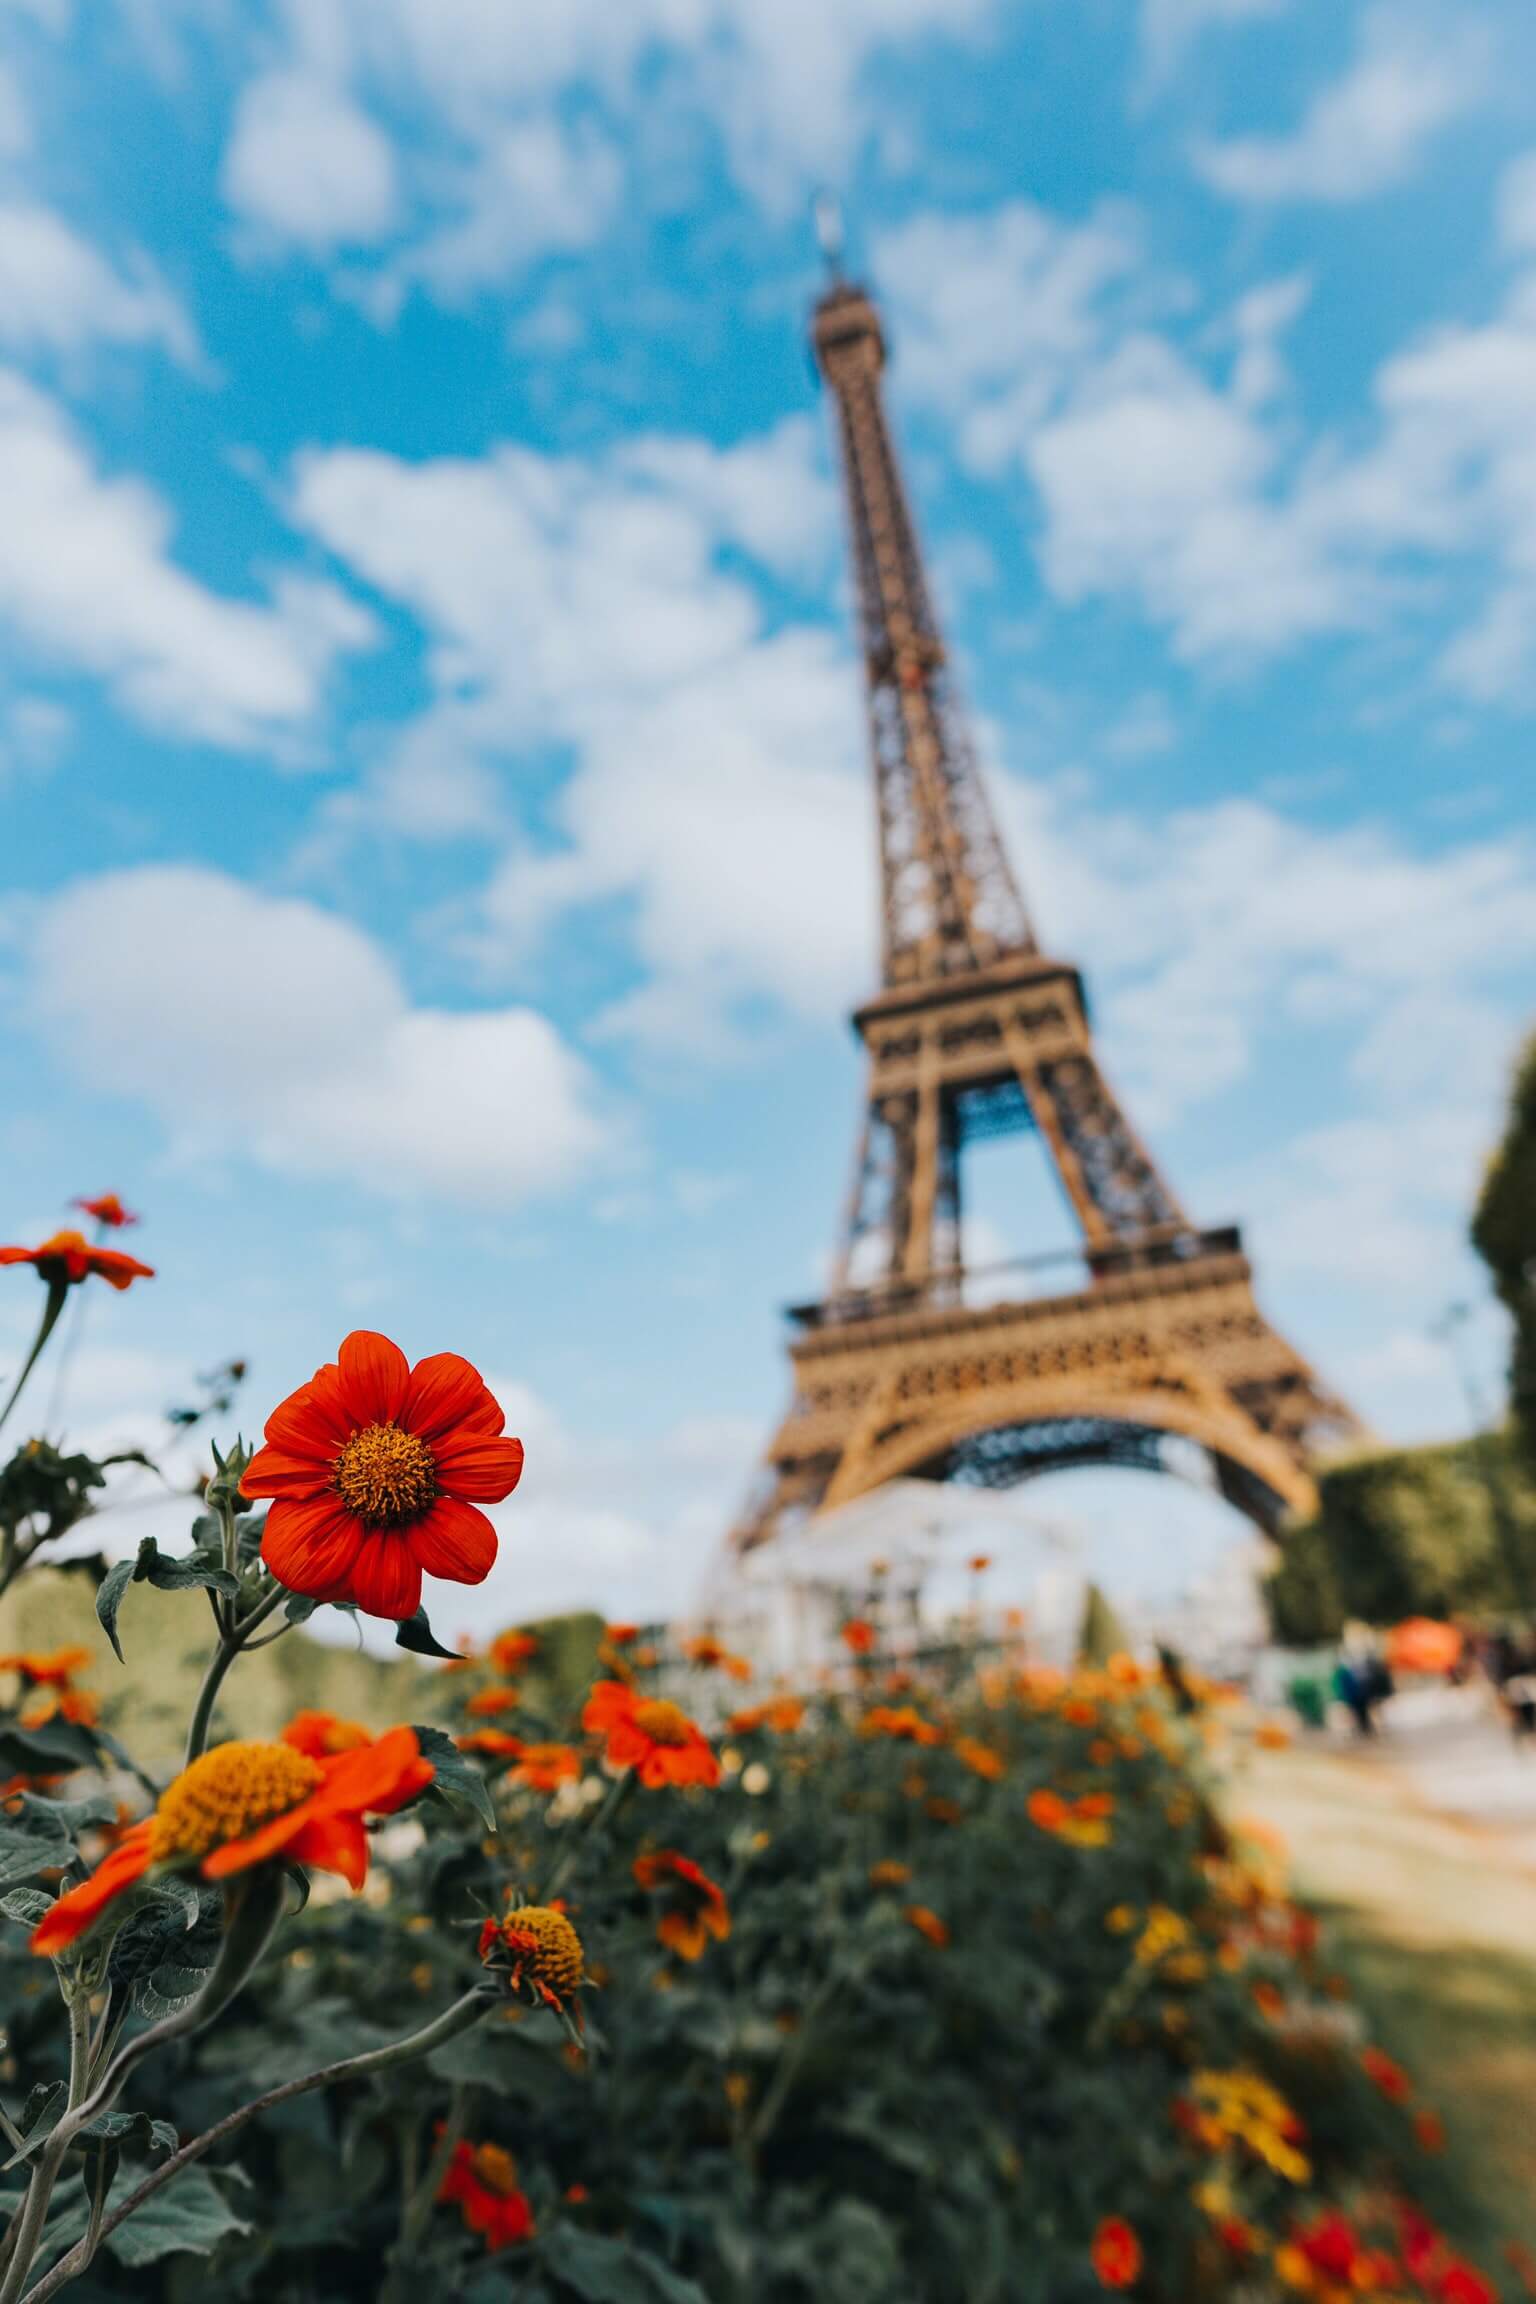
(244, 1804)
(709, 1653)
(889, 1873)
(697, 1908)
(490, 1743)
(858, 1637)
(107, 1209)
(545, 1767)
(620, 1635)
(510, 1651)
(50, 1668)
(901, 1721)
(322, 1735)
(926, 1923)
(538, 1951)
(487, 1701)
(981, 1759)
(979, 1563)
(1116, 2254)
(649, 1734)
(1082, 1822)
(481, 2180)
(1389, 2077)
(79, 1705)
(377, 1469)
(1429, 2128)
(782, 1714)
(68, 1257)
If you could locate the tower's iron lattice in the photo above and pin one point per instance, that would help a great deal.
(975, 1031)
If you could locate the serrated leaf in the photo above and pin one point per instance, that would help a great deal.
(191, 2216)
(604, 2271)
(456, 1779)
(416, 1634)
(152, 1566)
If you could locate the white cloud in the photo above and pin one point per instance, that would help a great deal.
(718, 785)
(87, 578)
(515, 120)
(1412, 74)
(58, 293)
(307, 165)
(266, 1028)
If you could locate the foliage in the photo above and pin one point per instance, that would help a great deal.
(1504, 1235)
(1406, 1532)
(945, 1981)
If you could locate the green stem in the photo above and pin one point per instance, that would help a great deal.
(421, 2196)
(58, 1296)
(219, 1663)
(601, 1818)
(454, 2019)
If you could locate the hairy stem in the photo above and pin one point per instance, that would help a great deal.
(58, 1296)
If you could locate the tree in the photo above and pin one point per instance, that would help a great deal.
(1504, 1235)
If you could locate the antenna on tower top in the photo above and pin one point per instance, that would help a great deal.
(827, 212)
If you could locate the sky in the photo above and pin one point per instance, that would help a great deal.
(435, 837)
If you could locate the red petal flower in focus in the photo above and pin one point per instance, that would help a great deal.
(68, 1257)
(376, 1469)
(107, 1209)
(1116, 2254)
(481, 2180)
(649, 1734)
(248, 1803)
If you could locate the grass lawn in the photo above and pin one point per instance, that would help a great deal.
(1434, 1923)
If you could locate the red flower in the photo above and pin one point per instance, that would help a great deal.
(245, 1803)
(69, 1257)
(510, 1651)
(481, 2180)
(858, 1637)
(1116, 2254)
(486, 1702)
(1389, 2077)
(377, 1469)
(107, 1209)
(1459, 2284)
(322, 1734)
(1329, 2245)
(696, 1908)
(926, 1922)
(649, 1734)
(50, 1669)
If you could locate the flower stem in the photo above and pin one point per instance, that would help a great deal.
(58, 1294)
(219, 1663)
(456, 2018)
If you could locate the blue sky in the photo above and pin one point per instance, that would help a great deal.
(434, 833)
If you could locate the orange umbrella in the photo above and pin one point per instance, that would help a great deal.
(1422, 1645)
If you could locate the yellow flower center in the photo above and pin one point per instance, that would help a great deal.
(228, 1792)
(548, 1947)
(663, 1722)
(385, 1475)
(496, 2169)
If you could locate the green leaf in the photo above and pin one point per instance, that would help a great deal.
(191, 2216)
(26, 1905)
(299, 1607)
(604, 2271)
(148, 2137)
(55, 1750)
(417, 1635)
(152, 1566)
(456, 1780)
(32, 1843)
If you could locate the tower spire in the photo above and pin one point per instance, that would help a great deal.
(950, 903)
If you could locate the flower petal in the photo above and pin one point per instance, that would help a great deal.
(315, 1419)
(310, 1544)
(478, 1467)
(385, 1577)
(375, 1376)
(333, 1844)
(270, 1839)
(379, 1777)
(273, 1472)
(455, 1541)
(70, 1917)
(446, 1391)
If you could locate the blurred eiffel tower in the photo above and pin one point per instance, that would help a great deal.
(977, 1031)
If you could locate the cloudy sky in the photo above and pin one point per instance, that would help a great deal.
(434, 837)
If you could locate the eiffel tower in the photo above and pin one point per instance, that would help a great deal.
(977, 1031)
